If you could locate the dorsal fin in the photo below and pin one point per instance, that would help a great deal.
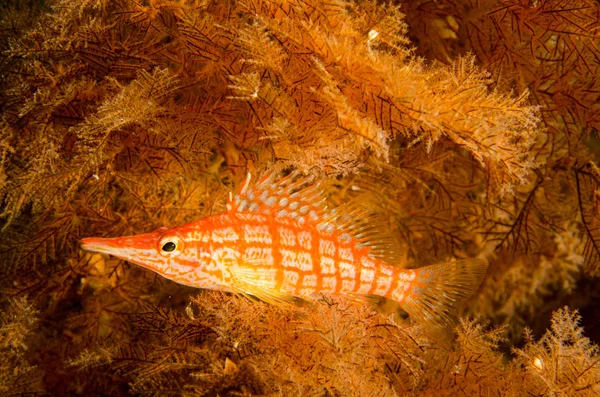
(294, 196)
(299, 197)
(360, 219)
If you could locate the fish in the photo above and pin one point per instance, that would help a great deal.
(279, 242)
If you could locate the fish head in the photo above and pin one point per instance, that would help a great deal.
(171, 252)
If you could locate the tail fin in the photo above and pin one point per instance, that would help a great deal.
(437, 291)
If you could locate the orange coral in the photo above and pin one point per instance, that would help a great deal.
(120, 116)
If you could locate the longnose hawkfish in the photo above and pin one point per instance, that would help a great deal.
(278, 241)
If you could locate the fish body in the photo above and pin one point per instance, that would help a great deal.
(276, 241)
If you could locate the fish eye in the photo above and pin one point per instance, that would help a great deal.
(170, 245)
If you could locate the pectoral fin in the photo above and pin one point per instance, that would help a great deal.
(259, 282)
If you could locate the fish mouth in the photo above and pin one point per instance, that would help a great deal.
(129, 248)
(101, 245)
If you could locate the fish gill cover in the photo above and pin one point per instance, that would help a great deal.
(470, 128)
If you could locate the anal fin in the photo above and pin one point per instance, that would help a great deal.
(381, 304)
(371, 299)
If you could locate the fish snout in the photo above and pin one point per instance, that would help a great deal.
(98, 244)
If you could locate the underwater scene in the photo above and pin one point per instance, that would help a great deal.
(299, 198)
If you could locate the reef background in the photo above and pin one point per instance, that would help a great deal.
(472, 125)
